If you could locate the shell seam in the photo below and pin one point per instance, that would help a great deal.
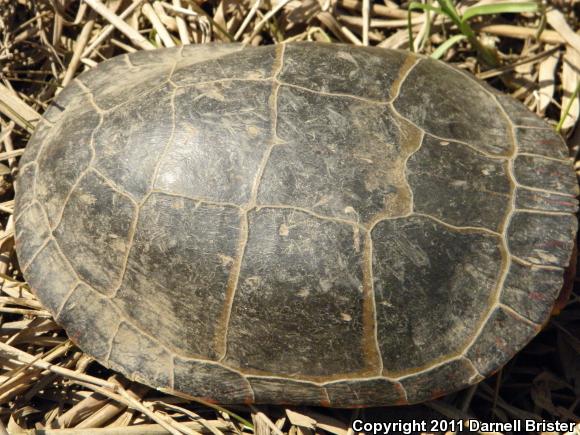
(544, 212)
(198, 199)
(222, 330)
(130, 240)
(112, 339)
(170, 140)
(566, 161)
(401, 78)
(520, 316)
(44, 244)
(530, 264)
(81, 175)
(114, 186)
(224, 80)
(66, 299)
(332, 94)
(505, 243)
(312, 213)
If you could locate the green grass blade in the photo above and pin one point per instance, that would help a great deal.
(442, 49)
(449, 9)
(499, 8)
(568, 107)
(427, 33)
(414, 6)
(423, 7)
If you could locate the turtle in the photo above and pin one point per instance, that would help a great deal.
(301, 223)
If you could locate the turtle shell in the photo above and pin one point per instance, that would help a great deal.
(300, 224)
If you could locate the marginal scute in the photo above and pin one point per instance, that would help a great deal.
(453, 117)
(541, 141)
(227, 62)
(432, 288)
(198, 243)
(544, 201)
(109, 93)
(502, 336)
(544, 239)
(33, 229)
(459, 186)
(68, 155)
(531, 290)
(85, 239)
(154, 58)
(90, 325)
(541, 173)
(70, 99)
(361, 72)
(430, 384)
(129, 155)
(519, 114)
(203, 52)
(24, 187)
(140, 357)
(286, 391)
(40, 135)
(223, 130)
(346, 161)
(299, 298)
(50, 276)
(365, 392)
(210, 381)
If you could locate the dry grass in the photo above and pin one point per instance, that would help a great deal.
(48, 386)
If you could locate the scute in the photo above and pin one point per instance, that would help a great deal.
(541, 173)
(365, 392)
(529, 199)
(534, 304)
(453, 117)
(459, 186)
(33, 227)
(139, 79)
(296, 224)
(230, 63)
(433, 383)
(182, 315)
(345, 161)
(25, 187)
(120, 141)
(504, 333)
(72, 98)
(91, 326)
(211, 381)
(139, 356)
(299, 298)
(49, 271)
(518, 113)
(153, 58)
(222, 131)
(68, 156)
(359, 72)
(94, 196)
(541, 141)
(272, 390)
(542, 238)
(425, 270)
